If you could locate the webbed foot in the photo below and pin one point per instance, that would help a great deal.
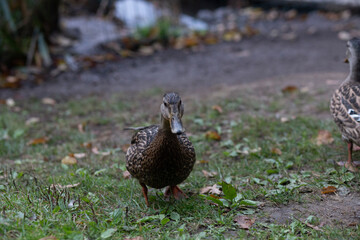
(176, 192)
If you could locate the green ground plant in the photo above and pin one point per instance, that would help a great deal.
(41, 196)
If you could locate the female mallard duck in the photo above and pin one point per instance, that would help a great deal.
(345, 103)
(162, 155)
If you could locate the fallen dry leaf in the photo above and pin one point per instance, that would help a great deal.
(203, 161)
(291, 14)
(10, 82)
(313, 226)
(217, 108)
(331, 15)
(250, 31)
(87, 145)
(126, 175)
(210, 40)
(191, 41)
(51, 237)
(37, 141)
(69, 160)
(48, 101)
(210, 189)
(126, 53)
(290, 89)
(324, 137)
(213, 135)
(244, 222)
(310, 225)
(209, 174)
(232, 36)
(79, 155)
(10, 102)
(247, 151)
(276, 151)
(59, 186)
(96, 151)
(32, 121)
(81, 127)
(328, 190)
(135, 238)
(146, 50)
(284, 119)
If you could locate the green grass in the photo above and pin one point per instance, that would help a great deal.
(104, 204)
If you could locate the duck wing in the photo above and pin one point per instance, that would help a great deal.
(139, 142)
(345, 108)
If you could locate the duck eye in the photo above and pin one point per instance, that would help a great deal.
(165, 104)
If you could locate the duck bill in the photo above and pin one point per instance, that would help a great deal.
(176, 125)
(346, 60)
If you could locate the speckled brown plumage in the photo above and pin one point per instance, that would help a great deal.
(345, 98)
(345, 102)
(158, 157)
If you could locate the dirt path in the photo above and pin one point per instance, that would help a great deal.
(310, 59)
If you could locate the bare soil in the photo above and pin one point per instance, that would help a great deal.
(308, 60)
(331, 210)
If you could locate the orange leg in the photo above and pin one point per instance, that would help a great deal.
(145, 192)
(349, 164)
(176, 192)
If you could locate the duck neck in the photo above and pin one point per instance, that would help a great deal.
(354, 74)
(165, 126)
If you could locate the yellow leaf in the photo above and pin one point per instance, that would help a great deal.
(210, 40)
(290, 89)
(217, 108)
(276, 151)
(69, 160)
(37, 141)
(203, 161)
(213, 135)
(324, 137)
(328, 190)
(191, 41)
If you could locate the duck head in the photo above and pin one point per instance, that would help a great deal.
(353, 51)
(172, 110)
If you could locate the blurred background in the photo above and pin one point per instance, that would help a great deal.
(67, 47)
